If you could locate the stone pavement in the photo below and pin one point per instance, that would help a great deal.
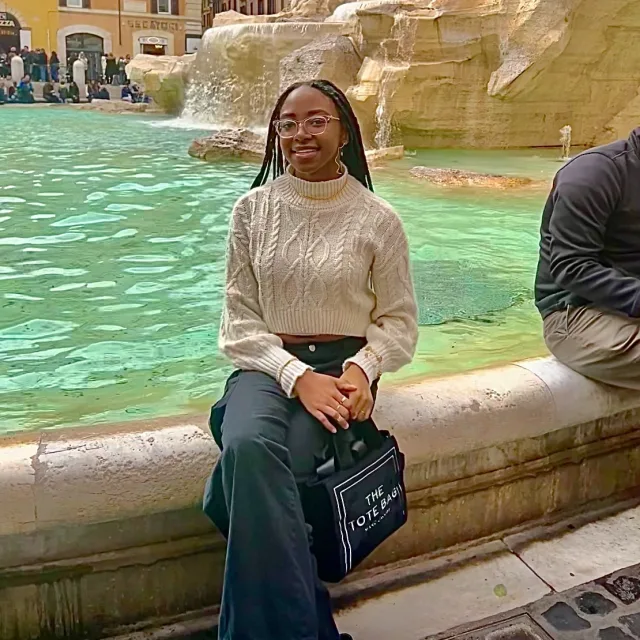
(576, 579)
(606, 609)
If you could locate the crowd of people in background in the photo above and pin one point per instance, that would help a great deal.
(37, 64)
(63, 92)
(60, 86)
(42, 67)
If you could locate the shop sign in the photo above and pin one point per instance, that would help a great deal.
(153, 40)
(158, 25)
(7, 20)
(9, 26)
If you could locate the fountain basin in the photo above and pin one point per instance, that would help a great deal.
(102, 528)
(130, 333)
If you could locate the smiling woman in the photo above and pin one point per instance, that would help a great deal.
(318, 305)
(318, 134)
(311, 135)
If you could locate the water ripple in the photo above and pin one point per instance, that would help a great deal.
(112, 268)
(87, 218)
(63, 237)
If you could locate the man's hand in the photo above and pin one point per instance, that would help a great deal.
(360, 402)
(325, 397)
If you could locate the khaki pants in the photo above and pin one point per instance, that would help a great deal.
(600, 345)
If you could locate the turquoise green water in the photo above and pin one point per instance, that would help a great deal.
(112, 248)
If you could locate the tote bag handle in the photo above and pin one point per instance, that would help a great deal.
(345, 449)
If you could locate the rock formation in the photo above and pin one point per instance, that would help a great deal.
(227, 18)
(229, 143)
(118, 106)
(332, 58)
(380, 157)
(164, 78)
(310, 9)
(457, 178)
(236, 78)
(437, 73)
(506, 74)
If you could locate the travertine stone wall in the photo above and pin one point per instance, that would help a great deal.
(449, 73)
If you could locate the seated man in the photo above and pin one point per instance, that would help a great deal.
(103, 94)
(74, 92)
(92, 91)
(25, 91)
(125, 92)
(49, 94)
(64, 92)
(588, 279)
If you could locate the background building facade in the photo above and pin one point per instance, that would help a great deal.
(31, 23)
(249, 7)
(100, 27)
(121, 27)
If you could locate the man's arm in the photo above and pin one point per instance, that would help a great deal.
(588, 192)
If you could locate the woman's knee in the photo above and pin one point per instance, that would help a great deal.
(251, 449)
(242, 443)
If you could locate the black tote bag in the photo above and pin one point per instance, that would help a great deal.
(356, 501)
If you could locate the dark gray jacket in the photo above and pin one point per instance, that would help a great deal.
(590, 236)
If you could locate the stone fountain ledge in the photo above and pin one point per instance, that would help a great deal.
(101, 528)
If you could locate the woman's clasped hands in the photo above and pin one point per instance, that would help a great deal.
(336, 399)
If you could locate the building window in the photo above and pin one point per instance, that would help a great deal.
(166, 7)
(75, 4)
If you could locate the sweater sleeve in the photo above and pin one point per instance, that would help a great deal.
(244, 336)
(587, 194)
(392, 335)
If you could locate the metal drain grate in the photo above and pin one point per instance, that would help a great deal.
(521, 628)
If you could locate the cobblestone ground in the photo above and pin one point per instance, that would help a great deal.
(607, 609)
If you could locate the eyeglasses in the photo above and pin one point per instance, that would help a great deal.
(313, 126)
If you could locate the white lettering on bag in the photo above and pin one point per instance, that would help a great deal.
(380, 502)
(348, 512)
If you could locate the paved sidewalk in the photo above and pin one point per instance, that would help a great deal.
(578, 579)
(606, 609)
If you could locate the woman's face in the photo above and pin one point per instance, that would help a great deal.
(313, 157)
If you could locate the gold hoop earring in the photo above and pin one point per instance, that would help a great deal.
(338, 159)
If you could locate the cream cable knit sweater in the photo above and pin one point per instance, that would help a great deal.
(317, 258)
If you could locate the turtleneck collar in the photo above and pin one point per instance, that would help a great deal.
(307, 194)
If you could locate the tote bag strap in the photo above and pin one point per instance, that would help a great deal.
(345, 448)
(341, 444)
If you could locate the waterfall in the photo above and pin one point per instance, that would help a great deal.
(236, 79)
(565, 141)
(394, 68)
